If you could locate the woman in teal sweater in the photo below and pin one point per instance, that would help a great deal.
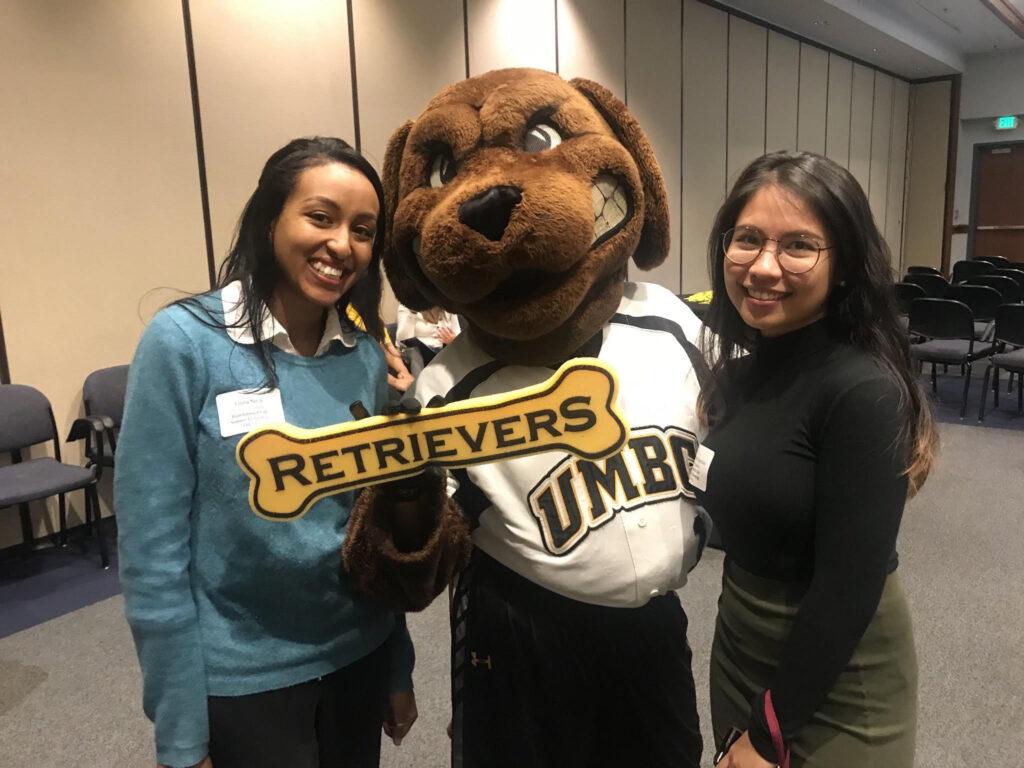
(254, 650)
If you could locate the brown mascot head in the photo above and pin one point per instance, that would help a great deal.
(516, 200)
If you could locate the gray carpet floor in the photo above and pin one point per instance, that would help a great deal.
(70, 688)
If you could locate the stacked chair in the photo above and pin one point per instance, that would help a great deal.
(26, 419)
(1009, 334)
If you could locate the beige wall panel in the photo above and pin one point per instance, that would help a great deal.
(267, 73)
(926, 185)
(745, 137)
(881, 126)
(862, 102)
(783, 92)
(395, 88)
(810, 133)
(705, 67)
(591, 42)
(897, 171)
(654, 88)
(99, 195)
(511, 34)
(837, 127)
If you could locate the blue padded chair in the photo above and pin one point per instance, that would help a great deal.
(1008, 288)
(1010, 333)
(934, 285)
(948, 327)
(970, 268)
(996, 261)
(26, 419)
(103, 396)
(917, 269)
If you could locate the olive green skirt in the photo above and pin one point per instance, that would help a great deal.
(869, 717)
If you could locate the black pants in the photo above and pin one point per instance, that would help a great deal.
(330, 722)
(541, 681)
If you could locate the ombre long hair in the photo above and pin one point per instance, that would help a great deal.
(861, 306)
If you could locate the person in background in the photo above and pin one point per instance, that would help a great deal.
(399, 377)
(254, 650)
(429, 331)
(817, 436)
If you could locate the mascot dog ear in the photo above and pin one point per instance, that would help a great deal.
(405, 289)
(654, 238)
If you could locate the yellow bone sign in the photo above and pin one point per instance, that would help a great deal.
(574, 411)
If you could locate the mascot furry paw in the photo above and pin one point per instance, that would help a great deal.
(518, 200)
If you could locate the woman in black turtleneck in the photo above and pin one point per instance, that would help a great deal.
(816, 438)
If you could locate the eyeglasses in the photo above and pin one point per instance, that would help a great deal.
(795, 254)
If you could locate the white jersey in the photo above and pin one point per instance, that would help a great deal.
(614, 532)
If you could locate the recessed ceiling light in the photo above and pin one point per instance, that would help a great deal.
(874, 50)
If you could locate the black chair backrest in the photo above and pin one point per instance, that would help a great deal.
(1010, 324)
(1008, 288)
(941, 319)
(999, 261)
(25, 418)
(906, 293)
(934, 285)
(964, 269)
(919, 270)
(103, 392)
(982, 299)
(1014, 273)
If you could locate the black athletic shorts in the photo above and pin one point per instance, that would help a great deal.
(542, 681)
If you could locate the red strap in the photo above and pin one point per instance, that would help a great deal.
(781, 751)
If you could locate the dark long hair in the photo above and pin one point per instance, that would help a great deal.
(861, 306)
(251, 260)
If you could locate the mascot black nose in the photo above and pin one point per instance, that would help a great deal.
(488, 213)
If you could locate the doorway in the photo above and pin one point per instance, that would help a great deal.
(997, 201)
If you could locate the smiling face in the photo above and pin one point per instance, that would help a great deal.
(767, 298)
(517, 207)
(323, 238)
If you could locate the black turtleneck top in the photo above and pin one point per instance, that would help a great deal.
(807, 484)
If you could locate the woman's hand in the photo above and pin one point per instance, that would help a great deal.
(401, 715)
(446, 335)
(743, 755)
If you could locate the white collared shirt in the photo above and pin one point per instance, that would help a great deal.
(273, 331)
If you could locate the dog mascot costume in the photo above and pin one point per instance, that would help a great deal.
(517, 201)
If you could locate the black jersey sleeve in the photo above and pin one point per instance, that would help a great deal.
(860, 490)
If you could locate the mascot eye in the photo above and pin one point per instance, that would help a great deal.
(541, 137)
(442, 169)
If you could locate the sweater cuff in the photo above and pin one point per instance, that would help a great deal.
(758, 731)
(177, 757)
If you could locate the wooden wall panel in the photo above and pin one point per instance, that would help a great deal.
(813, 99)
(926, 195)
(511, 34)
(881, 126)
(705, 69)
(837, 128)
(266, 75)
(861, 106)
(592, 43)
(745, 129)
(783, 92)
(101, 210)
(897, 172)
(654, 96)
(396, 87)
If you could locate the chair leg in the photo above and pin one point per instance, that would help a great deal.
(92, 499)
(935, 386)
(27, 536)
(1020, 394)
(63, 519)
(967, 386)
(984, 395)
(995, 387)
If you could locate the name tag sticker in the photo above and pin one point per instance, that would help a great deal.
(246, 409)
(699, 469)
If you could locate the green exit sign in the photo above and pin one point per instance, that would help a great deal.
(1006, 123)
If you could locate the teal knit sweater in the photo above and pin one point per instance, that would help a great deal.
(222, 602)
